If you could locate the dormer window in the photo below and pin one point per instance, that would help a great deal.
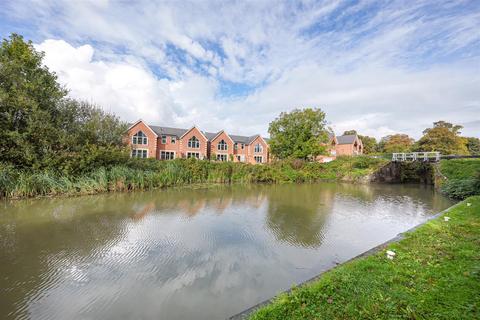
(139, 138)
(222, 146)
(193, 143)
(258, 148)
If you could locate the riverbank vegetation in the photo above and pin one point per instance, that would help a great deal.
(144, 174)
(51, 144)
(460, 177)
(434, 274)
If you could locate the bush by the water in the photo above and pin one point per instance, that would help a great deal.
(462, 177)
(143, 174)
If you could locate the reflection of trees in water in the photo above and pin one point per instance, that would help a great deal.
(297, 213)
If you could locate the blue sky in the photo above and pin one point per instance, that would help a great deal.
(379, 67)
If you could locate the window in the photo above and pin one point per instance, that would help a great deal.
(222, 145)
(258, 148)
(164, 139)
(139, 153)
(139, 138)
(193, 154)
(193, 143)
(167, 155)
(241, 158)
(258, 159)
(235, 146)
(221, 157)
(173, 140)
(242, 145)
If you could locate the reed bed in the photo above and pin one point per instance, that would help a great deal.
(150, 174)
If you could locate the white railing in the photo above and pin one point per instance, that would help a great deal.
(416, 156)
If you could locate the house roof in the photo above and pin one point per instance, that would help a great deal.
(210, 135)
(168, 131)
(178, 132)
(346, 139)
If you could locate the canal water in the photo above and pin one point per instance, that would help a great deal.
(189, 253)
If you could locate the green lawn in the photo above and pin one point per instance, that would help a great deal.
(434, 275)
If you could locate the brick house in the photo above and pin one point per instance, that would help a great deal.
(165, 143)
(349, 145)
(345, 145)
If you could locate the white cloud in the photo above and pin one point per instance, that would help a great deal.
(376, 67)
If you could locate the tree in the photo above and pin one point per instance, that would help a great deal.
(444, 137)
(29, 95)
(369, 144)
(40, 127)
(396, 143)
(350, 132)
(473, 145)
(299, 134)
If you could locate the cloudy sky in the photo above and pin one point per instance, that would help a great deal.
(379, 67)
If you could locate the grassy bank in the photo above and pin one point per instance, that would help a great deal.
(147, 174)
(435, 274)
(459, 178)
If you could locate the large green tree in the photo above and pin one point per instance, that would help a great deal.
(300, 134)
(29, 96)
(444, 137)
(396, 143)
(40, 127)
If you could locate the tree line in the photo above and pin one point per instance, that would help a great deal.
(303, 133)
(43, 129)
(443, 137)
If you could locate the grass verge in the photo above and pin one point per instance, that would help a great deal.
(435, 274)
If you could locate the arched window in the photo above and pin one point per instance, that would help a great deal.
(193, 143)
(258, 148)
(139, 138)
(222, 146)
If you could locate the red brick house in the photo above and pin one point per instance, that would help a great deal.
(165, 143)
(349, 145)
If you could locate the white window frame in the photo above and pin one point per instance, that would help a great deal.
(191, 154)
(256, 158)
(164, 139)
(242, 146)
(258, 148)
(222, 145)
(193, 143)
(136, 150)
(223, 157)
(173, 139)
(241, 158)
(164, 152)
(143, 139)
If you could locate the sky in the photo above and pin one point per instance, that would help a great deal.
(379, 67)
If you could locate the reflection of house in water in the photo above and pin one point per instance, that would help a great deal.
(191, 206)
(297, 213)
(221, 203)
(140, 214)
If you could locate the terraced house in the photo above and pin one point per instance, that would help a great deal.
(165, 143)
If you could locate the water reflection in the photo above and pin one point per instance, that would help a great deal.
(189, 253)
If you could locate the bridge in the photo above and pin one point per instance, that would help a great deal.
(417, 156)
(427, 156)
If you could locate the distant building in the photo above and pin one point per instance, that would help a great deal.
(349, 145)
(345, 145)
(165, 143)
